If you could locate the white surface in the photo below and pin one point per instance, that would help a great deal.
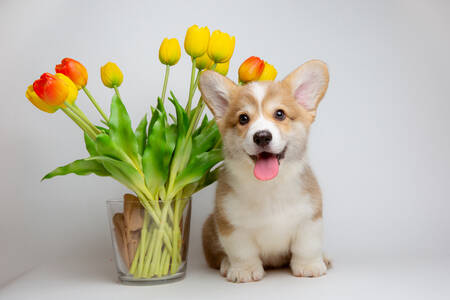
(380, 145)
(352, 279)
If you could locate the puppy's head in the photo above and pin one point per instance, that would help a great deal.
(266, 123)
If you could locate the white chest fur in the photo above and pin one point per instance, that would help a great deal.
(269, 212)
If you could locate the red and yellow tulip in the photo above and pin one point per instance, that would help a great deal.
(269, 72)
(72, 91)
(74, 70)
(251, 69)
(51, 89)
(49, 92)
(38, 102)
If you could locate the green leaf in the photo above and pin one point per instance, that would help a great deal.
(103, 129)
(204, 141)
(171, 136)
(182, 118)
(79, 167)
(90, 145)
(141, 135)
(106, 147)
(155, 116)
(209, 178)
(121, 171)
(121, 131)
(157, 155)
(196, 168)
(174, 119)
(202, 125)
(162, 109)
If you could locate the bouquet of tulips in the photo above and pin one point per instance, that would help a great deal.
(166, 158)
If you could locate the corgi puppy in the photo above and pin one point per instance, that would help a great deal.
(268, 206)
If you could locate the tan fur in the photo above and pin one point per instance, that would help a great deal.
(211, 245)
(309, 181)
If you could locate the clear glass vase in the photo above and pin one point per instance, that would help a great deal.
(150, 244)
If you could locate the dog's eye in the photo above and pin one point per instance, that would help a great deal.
(243, 119)
(280, 115)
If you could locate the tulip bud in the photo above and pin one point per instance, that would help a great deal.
(38, 102)
(74, 70)
(51, 89)
(196, 41)
(203, 62)
(221, 46)
(169, 52)
(251, 69)
(72, 91)
(223, 68)
(111, 75)
(269, 72)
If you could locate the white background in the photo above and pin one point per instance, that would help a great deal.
(380, 145)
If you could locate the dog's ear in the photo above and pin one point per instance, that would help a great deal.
(216, 91)
(308, 84)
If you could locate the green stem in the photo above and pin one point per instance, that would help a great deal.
(196, 117)
(166, 79)
(159, 240)
(151, 250)
(116, 90)
(134, 263)
(79, 122)
(175, 243)
(197, 78)
(99, 109)
(76, 110)
(191, 94)
(142, 245)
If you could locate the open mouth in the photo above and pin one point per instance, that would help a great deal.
(267, 164)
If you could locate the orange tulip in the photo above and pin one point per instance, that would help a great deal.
(51, 89)
(74, 70)
(251, 69)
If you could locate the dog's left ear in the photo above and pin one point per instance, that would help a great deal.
(216, 92)
(308, 84)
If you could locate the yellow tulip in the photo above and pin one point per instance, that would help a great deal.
(221, 46)
(269, 72)
(111, 75)
(196, 41)
(223, 68)
(72, 90)
(203, 62)
(38, 102)
(169, 52)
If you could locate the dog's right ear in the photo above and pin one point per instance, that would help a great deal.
(216, 92)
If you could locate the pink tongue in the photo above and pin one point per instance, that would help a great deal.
(266, 167)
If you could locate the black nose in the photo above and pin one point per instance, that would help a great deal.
(262, 138)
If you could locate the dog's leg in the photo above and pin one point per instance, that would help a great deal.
(242, 263)
(307, 256)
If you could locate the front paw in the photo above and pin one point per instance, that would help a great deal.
(308, 269)
(245, 272)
